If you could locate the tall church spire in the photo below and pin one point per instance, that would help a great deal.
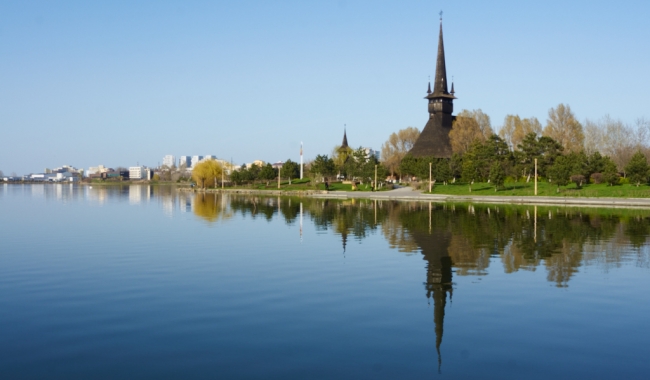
(440, 84)
(344, 144)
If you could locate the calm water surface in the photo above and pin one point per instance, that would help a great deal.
(146, 282)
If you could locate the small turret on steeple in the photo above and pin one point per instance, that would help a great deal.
(452, 87)
(429, 88)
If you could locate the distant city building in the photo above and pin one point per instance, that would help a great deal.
(372, 153)
(96, 170)
(139, 172)
(185, 161)
(169, 161)
(277, 165)
(195, 160)
(259, 163)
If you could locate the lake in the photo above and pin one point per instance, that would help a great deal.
(149, 282)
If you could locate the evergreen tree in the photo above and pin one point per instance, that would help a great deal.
(497, 175)
(560, 172)
(610, 173)
(267, 173)
(637, 169)
(290, 170)
(443, 171)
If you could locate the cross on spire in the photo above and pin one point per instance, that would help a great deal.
(440, 15)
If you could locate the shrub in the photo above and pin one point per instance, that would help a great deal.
(623, 181)
(578, 179)
(597, 178)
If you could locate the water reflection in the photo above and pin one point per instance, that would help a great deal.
(460, 239)
(523, 238)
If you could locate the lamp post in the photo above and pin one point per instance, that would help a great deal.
(430, 164)
(535, 176)
(375, 187)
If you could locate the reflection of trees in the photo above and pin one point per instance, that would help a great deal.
(211, 207)
(522, 237)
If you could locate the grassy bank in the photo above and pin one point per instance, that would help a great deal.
(543, 189)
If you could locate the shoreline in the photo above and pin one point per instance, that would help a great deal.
(405, 194)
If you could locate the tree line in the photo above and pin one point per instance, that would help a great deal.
(566, 151)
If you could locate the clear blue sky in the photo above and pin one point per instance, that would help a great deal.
(121, 82)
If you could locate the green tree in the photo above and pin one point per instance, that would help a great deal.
(290, 170)
(340, 157)
(267, 173)
(497, 175)
(206, 172)
(443, 171)
(478, 160)
(610, 172)
(543, 148)
(322, 166)
(560, 171)
(637, 169)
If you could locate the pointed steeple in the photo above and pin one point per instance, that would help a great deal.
(344, 144)
(452, 87)
(429, 88)
(440, 83)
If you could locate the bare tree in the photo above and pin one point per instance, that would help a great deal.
(514, 129)
(563, 127)
(468, 127)
(397, 146)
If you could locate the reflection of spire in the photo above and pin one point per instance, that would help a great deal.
(434, 247)
(344, 238)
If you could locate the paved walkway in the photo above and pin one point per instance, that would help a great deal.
(406, 193)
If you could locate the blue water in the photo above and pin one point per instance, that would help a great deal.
(147, 282)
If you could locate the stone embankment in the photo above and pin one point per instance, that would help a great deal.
(407, 194)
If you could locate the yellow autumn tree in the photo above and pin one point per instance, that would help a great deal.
(468, 127)
(205, 173)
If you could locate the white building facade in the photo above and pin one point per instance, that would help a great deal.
(169, 161)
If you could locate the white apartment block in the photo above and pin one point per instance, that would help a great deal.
(185, 161)
(195, 160)
(169, 161)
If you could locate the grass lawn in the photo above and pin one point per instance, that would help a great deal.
(304, 184)
(545, 189)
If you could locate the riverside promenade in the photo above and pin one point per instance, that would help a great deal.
(408, 194)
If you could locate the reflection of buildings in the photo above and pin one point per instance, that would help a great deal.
(138, 193)
(434, 247)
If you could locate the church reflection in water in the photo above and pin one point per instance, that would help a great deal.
(470, 238)
(438, 284)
